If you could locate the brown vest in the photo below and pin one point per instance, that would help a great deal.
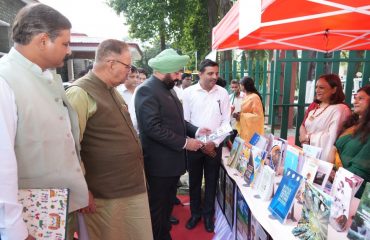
(110, 148)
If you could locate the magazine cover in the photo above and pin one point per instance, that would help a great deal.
(221, 189)
(283, 199)
(229, 200)
(235, 151)
(256, 231)
(345, 186)
(45, 212)
(242, 217)
(360, 227)
(314, 221)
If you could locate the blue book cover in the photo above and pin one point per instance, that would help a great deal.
(291, 158)
(283, 199)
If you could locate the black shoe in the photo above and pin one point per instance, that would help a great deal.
(192, 222)
(174, 220)
(208, 224)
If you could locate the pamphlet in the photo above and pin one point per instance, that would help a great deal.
(221, 132)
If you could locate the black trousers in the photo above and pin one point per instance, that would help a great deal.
(161, 192)
(197, 163)
(233, 135)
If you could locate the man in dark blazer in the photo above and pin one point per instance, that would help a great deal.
(163, 133)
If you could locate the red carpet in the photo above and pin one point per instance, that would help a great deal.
(179, 232)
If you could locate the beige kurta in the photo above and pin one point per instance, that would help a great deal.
(324, 128)
(251, 117)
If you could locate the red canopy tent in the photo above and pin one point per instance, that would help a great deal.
(319, 25)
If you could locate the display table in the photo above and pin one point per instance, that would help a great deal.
(260, 210)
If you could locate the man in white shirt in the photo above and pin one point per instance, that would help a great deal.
(205, 105)
(236, 99)
(38, 127)
(126, 90)
(184, 83)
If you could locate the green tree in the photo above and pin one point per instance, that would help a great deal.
(183, 25)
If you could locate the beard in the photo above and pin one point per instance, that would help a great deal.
(168, 81)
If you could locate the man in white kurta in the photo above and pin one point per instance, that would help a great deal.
(38, 128)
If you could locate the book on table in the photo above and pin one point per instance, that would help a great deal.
(45, 212)
(275, 156)
(360, 227)
(292, 158)
(259, 141)
(244, 158)
(345, 186)
(322, 174)
(235, 151)
(314, 220)
(264, 185)
(283, 199)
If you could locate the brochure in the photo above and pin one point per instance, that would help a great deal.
(283, 199)
(221, 132)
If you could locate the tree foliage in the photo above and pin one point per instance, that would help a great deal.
(185, 25)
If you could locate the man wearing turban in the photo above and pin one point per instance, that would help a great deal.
(163, 133)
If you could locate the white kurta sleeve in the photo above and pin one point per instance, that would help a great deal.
(11, 221)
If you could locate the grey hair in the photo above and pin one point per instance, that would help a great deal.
(38, 18)
(109, 47)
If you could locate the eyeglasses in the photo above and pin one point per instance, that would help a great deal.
(124, 64)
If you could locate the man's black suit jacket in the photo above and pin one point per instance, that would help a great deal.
(163, 129)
